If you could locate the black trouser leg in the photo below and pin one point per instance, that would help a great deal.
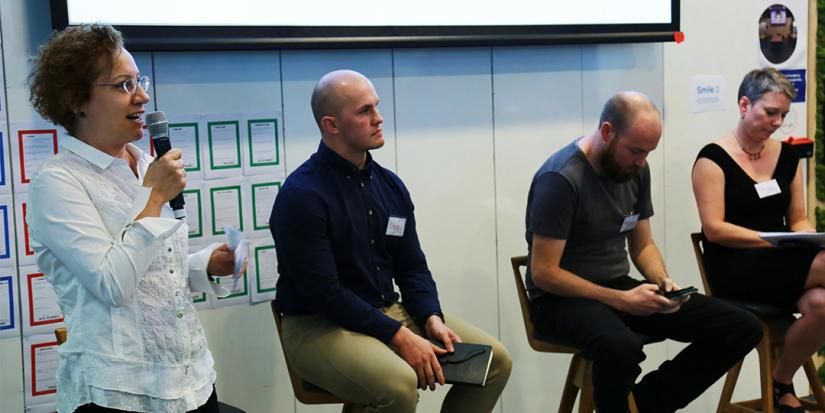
(720, 335)
(616, 351)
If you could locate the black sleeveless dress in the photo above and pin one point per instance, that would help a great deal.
(769, 275)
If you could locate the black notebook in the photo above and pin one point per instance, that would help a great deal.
(468, 364)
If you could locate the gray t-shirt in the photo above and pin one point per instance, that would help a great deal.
(569, 200)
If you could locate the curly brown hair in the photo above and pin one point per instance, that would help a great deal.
(63, 74)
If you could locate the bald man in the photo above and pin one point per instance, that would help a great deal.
(345, 234)
(586, 203)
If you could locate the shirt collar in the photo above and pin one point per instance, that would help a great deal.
(93, 155)
(338, 162)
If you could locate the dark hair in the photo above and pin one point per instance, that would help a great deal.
(760, 81)
(63, 74)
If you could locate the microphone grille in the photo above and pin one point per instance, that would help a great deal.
(158, 125)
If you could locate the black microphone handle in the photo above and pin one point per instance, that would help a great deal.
(162, 145)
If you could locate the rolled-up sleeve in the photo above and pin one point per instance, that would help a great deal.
(63, 221)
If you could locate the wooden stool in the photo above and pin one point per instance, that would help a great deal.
(580, 373)
(775, 322)
(305, 391)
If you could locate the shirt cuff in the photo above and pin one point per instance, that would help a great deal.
(438, 313)
(199, 279)
(160, 228)
(427, 317)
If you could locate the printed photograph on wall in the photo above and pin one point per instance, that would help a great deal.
(777, 33)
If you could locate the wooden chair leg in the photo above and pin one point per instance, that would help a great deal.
(586, 402)
(765, 349)
(631, 403)
(568, 395)
(816, 386)
(730, 385)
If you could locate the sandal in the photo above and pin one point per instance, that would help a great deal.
(779, 390)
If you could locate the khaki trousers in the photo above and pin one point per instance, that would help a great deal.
(364, 370)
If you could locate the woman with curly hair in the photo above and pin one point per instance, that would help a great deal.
(106, 239)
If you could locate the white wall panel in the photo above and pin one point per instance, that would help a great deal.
(445, 156)
(537, 112)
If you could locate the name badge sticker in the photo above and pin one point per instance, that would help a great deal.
(629, 222)
(767, 188)
(395, 226)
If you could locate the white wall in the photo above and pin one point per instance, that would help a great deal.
(466, 129)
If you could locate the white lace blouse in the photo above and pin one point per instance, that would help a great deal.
(135, 341)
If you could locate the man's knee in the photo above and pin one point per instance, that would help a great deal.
(502, 363)
(396, 392)
(745, 331)
(621, 350)
(751, 330)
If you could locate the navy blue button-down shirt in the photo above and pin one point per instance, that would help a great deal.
(335, 257)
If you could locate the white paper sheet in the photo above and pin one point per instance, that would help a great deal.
(186, 136)
(41, 302)
(32, 144)
(25, 253)
(263, 191)
(40, 361)
(193, 198)
(9, 316)
(263, 142)
(5, 161)
(264, 268)
(790, 238)
(223, 146)
(226, 202)
(236, 240)
(6, 238)
(241, 296)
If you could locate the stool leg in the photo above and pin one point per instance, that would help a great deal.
(765, 349)
(586, 402)
(730, 385)
(815, 384)
(568, 394)
(631, 402)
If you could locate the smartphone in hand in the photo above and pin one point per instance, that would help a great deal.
(680, 293)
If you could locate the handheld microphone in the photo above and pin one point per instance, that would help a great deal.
(159, 131)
